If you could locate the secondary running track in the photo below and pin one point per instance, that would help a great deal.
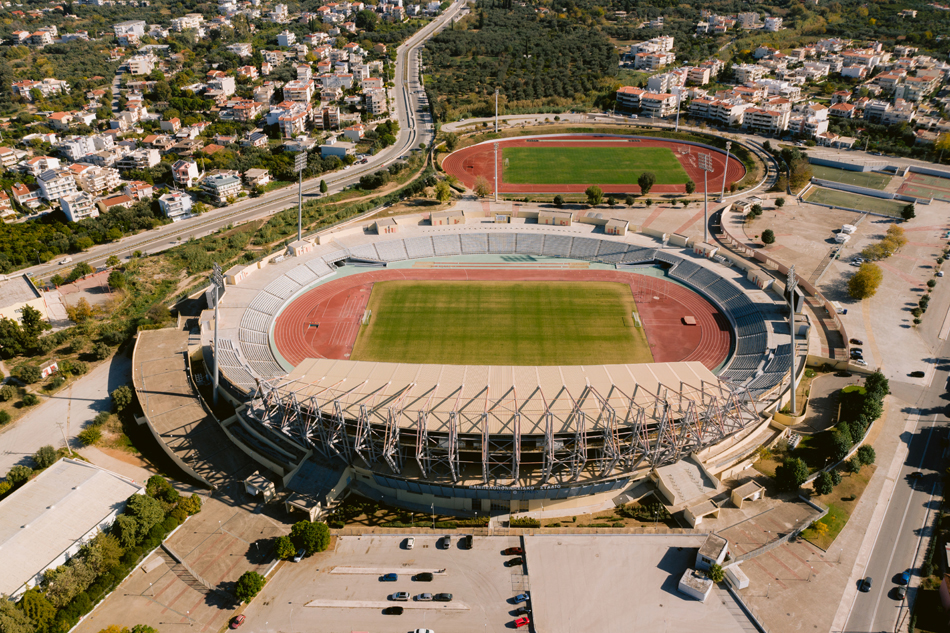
(324, 322)
(478, 160)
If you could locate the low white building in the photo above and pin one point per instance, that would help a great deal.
(79, 206)
(48, 519)
(176, 205)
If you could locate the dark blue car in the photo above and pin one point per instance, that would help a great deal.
(389, 578)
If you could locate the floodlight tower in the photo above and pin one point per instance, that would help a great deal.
(217, 281)
(705, 163)
(791, 286)
(300, 163)
(722, 195)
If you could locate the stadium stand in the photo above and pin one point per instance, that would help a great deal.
(302, 275)
(283, 287)
(610, 252)
(446, 244)
(392, 251)
(474, 243)
(419, 247)
(637, 255)
(319, 268)
(501, 243)
(529, 243)
(365, 251)
(584, 248)
(557, 246)
(251, 336)
(266, 302)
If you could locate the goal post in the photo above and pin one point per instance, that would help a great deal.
(366, 316)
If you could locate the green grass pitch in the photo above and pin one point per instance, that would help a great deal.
(502, 323)
(590, 165)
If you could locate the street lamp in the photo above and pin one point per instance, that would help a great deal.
(722, 195)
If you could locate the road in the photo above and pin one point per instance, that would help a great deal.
(415, 128)
(909, 509)
(63, 414)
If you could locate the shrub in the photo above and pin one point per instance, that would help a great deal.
(866, 454)
(30, 399)
(249, 585)
(768, 236)
(19, 474)
(780, 202)
(716, 573)
(45, 456)
(931, 283)
(191, 505)
(101, 351)
(4, 417)
(28, 373)
(524, 522)
(90, 435)
(121, 398)
(628, 201)
(284, 547)
(7, 393)
(791, 474)
(835, 477)
(79, 368)
(559, 201)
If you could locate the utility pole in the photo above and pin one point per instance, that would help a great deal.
(679, 99)
(791, 285)
(300, 163)
(217, 280)
(496, 110)
(705, 163)
(496, 171)
(722, 196)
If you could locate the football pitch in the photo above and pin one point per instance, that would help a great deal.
(590, 165)
(502, 323)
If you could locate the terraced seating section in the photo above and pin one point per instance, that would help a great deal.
(365, 251)
(501, 243)
(529, 243)
(474, 243)
(557, 246)
(446, 245)
(419, 247)
(392, 250)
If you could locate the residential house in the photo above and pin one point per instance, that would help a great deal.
(176, 205)
(140, 159)
(762, 121)
(256, 177)
(335, 147)
(139, 190)
(220, 187)
(300, 90)
(142, 64)
(26, 195)
(185, 173)
(39, 164)
(79, 206)
(354, 133)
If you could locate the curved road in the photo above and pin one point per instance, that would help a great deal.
(415, 128)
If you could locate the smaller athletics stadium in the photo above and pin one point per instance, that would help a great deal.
(504, 361)
(569, 163)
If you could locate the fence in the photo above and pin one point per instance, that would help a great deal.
(865, 191)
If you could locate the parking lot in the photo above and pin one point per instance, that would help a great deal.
(340, 590)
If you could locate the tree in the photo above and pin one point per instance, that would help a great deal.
(756, 210)
(30, 399)
(19, 474)
(646, 181)
(121, 398)
(482, 188)
(865, 282)
(14, 620)
(715, 573)
(559, 201)
(191, 505)
(90, 435)
(101, 351)
(28, 373)
(79, 270)
(791, 474)
(323, 186)
(146, 510)
(45, 456)
(443, 193)
(117, 279)
(866, 454)
(835, 477)
(908, 212)
(313, 537)
(37, 608)
(32, 324)
(877, 386)
(594, 195)
(284, 547)
(768, 236)
(112, 261)
(249, 585)
(840, 443)
(81, 312)
(126, 529)
(611, 201)
(366, 20)
(629, 200)
(159, 488)
(823, 484)
(780, 202)
(690, 187)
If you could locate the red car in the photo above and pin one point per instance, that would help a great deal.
(237, 621)
(520, 622)
(513, 551)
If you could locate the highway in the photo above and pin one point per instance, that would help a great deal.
(902, 536)
(415, 129)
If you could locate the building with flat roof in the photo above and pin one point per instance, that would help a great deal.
(47, 520)
(17, 291)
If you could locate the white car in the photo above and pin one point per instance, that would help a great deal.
(410, 542)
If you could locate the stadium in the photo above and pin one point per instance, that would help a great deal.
(498, 362)
(569, 163)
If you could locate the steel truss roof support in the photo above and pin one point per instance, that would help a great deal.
(423, 458)
(610, 451)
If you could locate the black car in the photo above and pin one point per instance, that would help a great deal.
(423, 577)
(522, 611)
(917, 374)
(393, 611)
(865, 585)
(467, 540)
(843, 374)
(857, 352)
(856, 341)
(514, 562)
(442, 597)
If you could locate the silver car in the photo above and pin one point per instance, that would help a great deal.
(424, 597)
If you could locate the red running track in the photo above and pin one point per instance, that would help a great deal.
(469, 163)
(324, 322)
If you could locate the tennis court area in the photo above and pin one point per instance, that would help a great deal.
(869, 179)
(924, 186)
(848, 200)
(502, 323)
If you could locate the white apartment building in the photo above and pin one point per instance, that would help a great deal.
(375, 101)
(664, 82)
(764, 121)
(54, 184)
(130, 27)
(176, 205)
(293, 121)
(773, 24)
(220, 187)
(241, 49)
(653, 61)
(748, 73)
(190, 21)
(662, 44)
(47, 87)
(657, 105)
(96, 180)
(699, 75)
(748, 20)
(140, 159)
(300, 90)
(279, 14)
(185, 172)
(79, 206)
(142, 64)
(778, 88)
(286, 38)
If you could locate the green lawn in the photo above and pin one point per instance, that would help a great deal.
(854, 201)
(590, 165)
(502, 323)
(868, 179)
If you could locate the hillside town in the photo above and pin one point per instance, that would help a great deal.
(133, 137)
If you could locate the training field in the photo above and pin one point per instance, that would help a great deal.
(590, 165)
(502, 323)
(868, 179)
(854, 201)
